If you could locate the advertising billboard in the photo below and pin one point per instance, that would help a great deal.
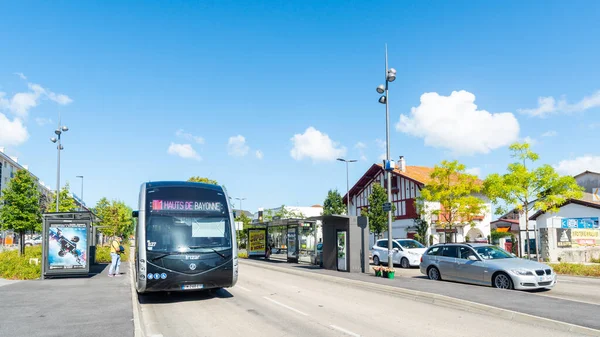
(257, 242)
(67, 246)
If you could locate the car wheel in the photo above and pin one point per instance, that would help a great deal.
(404, 263)
(434, 274)
(376, 260)
(503, 281)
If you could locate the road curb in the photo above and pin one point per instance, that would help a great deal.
(437, 299)
(137, 323)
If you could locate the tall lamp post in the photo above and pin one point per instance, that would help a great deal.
(347, 183)
(240, 199)
(390, 76)
(81, 206)
(59, 147)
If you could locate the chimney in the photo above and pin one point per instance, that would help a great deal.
(15, 159)
(2, 149)
(402, 164)
(26, 167)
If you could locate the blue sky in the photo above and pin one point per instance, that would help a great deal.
(145, 83)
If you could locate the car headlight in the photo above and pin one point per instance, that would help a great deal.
(523, 272)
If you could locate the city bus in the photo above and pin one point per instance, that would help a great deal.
(185, 238)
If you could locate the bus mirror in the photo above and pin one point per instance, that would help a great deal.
(134, 214)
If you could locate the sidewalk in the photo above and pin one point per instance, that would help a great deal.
(96, 305)
(519, 301)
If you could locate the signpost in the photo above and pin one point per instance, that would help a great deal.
(387, 206)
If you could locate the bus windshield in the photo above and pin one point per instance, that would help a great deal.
(187, 218)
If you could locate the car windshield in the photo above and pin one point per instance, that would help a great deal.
(409, 244)
(493, 253)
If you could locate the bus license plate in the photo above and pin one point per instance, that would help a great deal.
(192, 286)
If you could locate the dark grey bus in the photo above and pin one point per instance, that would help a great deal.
(185, 238)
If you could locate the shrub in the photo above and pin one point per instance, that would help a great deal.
(15, 267)
(243, 255)
(576, 269)
(103, 254)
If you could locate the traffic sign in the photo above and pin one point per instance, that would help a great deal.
(387, 207)
(596, 194)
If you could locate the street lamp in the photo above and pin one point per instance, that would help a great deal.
(81, 197)
(240, 199)
(390, 76)
(347, 183)
(59, 147)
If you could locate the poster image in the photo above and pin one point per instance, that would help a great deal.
(292, 243)
(256, 242)
(563, 238)
(67, 245)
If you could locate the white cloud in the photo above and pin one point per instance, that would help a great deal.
(579, 165)
(315, 145)
(183, 151)
(549, 105)
(550, 133)
(259, 154)
(453, 122)
(237, 146)
(474, 170)
(529, 140)
(43, 121)
(12, 132)
(21, 75)
(380, 143)
(22, 102)
(188, 136)
(361, 150)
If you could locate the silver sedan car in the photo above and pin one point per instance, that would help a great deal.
(485, 264)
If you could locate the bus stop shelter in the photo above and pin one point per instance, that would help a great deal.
(283, 235)
(345, 243)
(68, 243)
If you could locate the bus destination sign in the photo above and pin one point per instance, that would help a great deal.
(189, 206)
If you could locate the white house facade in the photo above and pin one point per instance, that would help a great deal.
(407, 182)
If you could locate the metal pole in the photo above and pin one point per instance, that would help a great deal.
(347, 191)
(387, 156)
(58, 174)
(82, 193)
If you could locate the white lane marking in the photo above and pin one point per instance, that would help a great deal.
(246, 289)
(285, 306)
(344, 331)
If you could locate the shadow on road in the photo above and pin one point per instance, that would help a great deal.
(174, 297)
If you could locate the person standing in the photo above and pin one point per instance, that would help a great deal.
(115, 256)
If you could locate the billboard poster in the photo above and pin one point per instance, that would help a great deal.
(257, 242)
(292, 239)
(585, 237)
(563, 238)
(342, 251)
(67, 246)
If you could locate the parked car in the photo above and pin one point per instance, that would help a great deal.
(485, 264)
(407, 252)
(34, 241)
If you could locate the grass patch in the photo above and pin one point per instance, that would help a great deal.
(15, 267)
(596, 260)
(576, 269)
(103, 255)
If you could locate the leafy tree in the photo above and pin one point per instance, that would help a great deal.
(378, 219)
(524, 188)
(203, 180)
(334, 203)
(246, 221)
(21, 210)
(66, 203)
(422, 227)
(455, 191)
(115, 218)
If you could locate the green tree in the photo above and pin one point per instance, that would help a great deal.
(115, 218)
(21, 209)
(197, 179)
(524, 188)
(246, 221)
(422, 227)
(455, 191)
(66, 203)
(334, 203)
(378, 218)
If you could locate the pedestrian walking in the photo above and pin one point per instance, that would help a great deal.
(115, 255)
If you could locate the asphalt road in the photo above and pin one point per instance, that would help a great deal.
(271, 303)
(581, 289)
